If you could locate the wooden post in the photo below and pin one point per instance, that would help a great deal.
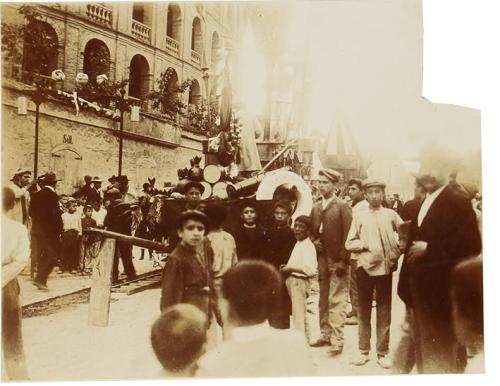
(100, 290)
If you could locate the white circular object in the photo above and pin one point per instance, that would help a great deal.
(82, 78)
(101, 78)
(208, 190)
(220, 190)
(272, 181)
(58, 75)
(212, 174)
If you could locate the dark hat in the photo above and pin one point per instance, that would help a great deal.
(112, 178)
(50, 177)
(192, 184)
(122, 179)
(331, 174)
(113, 192)
(370, 182)
(191, 215)
(356, 181)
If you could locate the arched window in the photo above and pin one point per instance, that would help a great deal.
(174, 28)
(195, 93)
(173, 80)
(96, 59)
(139, 77)
(40, 48)
(215, 48)
(196, 36)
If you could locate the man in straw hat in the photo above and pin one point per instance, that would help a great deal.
(47, 226)
(20, 182)
(443, 233)
(331, 218)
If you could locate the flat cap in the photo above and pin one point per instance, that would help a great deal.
(191, 215)
(356, 181)
(371, 182)
(331, 174)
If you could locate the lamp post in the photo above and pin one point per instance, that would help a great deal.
(122, 104)
(206, 76)
(37, 99)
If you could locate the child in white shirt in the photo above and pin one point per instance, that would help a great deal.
(70, 239)
(302, 281)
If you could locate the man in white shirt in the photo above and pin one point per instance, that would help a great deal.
(20, 181)
(99, 213)
(302, 281)
(15, 254)
(250, 291)
(372, 238)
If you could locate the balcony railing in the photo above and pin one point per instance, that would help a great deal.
(141, 31)
(172, 46)
(99, 14)
(195, 58)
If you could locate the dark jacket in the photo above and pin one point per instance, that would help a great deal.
(250, 242)
(45, 213)
(119, 218)
(187, 277)
(410, 209)
(451, 232)
(336, 219)
(93, 195)
(279, 243)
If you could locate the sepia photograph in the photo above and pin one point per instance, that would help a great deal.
(234, 189)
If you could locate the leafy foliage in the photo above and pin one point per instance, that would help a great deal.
(201, 121)
(40, 42)
(168, 97)
(97, 62)
(103, 93)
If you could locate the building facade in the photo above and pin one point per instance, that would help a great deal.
(139, 41)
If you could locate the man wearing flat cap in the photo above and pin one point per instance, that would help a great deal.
(47, 226)
(373, 242)
(331, 218)
(20, 182)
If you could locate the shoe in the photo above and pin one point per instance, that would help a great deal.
(40, 286)
(73, 272)
(334, 351)
(352, 321)
(360, 360)
(384, 362)
(320, 343)
(60, 271)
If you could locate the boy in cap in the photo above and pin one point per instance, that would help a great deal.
(20, 182)
(187, 272)
(178, 338)
(302, 280)
(373, 240)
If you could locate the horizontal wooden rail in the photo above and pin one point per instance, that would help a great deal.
(144, 243)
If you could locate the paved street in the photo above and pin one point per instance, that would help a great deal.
(62, 346)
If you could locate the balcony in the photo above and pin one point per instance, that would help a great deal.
(141, 31)
(195, 58)
(99, 14)
(172, 46)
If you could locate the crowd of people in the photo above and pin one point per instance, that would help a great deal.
(281, 288)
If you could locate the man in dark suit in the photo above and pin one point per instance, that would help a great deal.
(331, 219)
(94, 194)
(444, 232)
(47, 226)
(119, 219)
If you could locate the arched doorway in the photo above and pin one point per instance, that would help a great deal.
(174, 27)
(138, 77)
(40, 48)
(96, 59)
(66, 163)
(195, 93)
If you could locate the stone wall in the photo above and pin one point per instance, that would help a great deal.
(76, 145)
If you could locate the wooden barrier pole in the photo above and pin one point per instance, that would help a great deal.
(129, 239)
(100, 290)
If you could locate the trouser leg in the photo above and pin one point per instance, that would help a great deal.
(298, 295)
(312, 310)
(353, 287)
(126, 256)
(365, 296)
(12, 341)
(337, 306)
(404, 356)
(49, 257)
(383, 288)
(324, 289)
